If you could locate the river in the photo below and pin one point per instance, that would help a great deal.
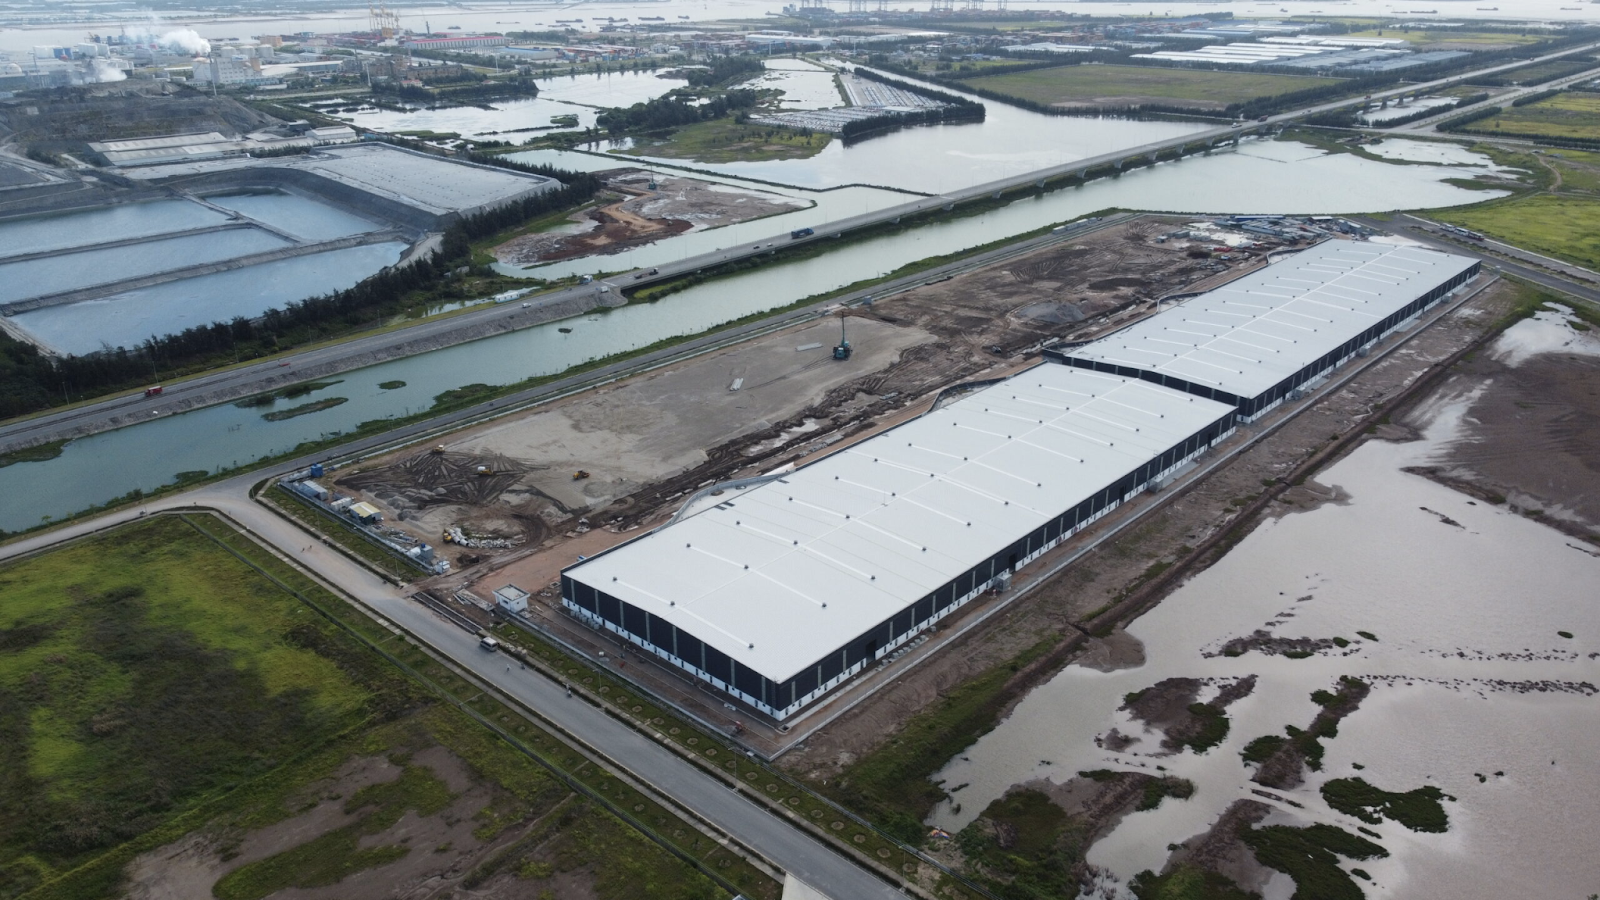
(1466, 600)
(1260, 176)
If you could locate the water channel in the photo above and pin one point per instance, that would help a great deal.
(1467, 600)
(1258, 177)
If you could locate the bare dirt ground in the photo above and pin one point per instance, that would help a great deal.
(648, 441)
(1116, 569)
(638, 214)
(443, 847)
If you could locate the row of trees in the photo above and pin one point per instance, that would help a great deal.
(31, 381)
(725, 70)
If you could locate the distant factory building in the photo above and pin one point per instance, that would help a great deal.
(1255, 341)
(456, 42)
(784, 590)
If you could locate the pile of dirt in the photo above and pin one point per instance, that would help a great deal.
(640, 208)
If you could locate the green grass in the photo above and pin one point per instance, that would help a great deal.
(1213, 727)
(1419, 810)
(1450, 36)
(1186, 882)
(724, 140)
(36, 453)
(145, 672)
(1263, 748)
(304, 409)
(1311, 857)
(1564, 227)
(1133, 85)
(1569, 114)
(1026, 851)
(315, 696)
(891, 784)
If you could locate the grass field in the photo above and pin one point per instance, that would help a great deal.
(1566, 227)
(1134, 85)
(1569, 114)
(163, 699)
(724, 140)
(1449, 36)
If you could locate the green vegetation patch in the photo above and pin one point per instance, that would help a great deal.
(1311, 857)
(1565, 227)
(1117, 86)
(304, 409)
(36, 453)
(142, 673)
(1023, 846)
(1159, 789)
(288, 393)
(1568, 114)
(727, 140)
(391, 385)
(1213, 728)
(1419, 810)
(892, 784)
(1263, 748)
(1187, 882)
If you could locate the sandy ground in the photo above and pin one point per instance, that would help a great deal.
(1114, 568)
(638, 214)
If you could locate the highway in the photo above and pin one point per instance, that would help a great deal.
(1522, 264)
(202, 390)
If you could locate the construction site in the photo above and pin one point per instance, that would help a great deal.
(639, 207)
(598, 465)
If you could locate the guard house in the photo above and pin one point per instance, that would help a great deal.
(511, 599)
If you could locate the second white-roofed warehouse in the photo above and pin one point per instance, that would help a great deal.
(786, 589)
(1255, 341)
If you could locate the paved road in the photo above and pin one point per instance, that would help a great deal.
(180, 396)
(1532, 269)
(1427, 125)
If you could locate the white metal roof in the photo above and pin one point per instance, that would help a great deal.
(1251, 334)
(784, 573)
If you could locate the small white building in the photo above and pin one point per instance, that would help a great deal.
(511, 599)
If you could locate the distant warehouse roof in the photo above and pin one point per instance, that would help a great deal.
(800, 581)
(1254, 339)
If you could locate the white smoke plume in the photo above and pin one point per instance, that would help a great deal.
(187, 40)
(105, 73)
(176, 40)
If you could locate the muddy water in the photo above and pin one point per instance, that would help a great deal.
(1463, 598)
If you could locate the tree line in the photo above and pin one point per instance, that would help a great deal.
(32, 381)
(725, 70)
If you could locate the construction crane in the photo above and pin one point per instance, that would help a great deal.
(383, 21)
(842, 351)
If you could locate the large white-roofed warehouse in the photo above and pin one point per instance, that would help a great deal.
(1255, 341)
(789, 587)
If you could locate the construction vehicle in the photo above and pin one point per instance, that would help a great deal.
(485, 470)
(153, 391)
(438, 450)
(842, 351)
(579, 475)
